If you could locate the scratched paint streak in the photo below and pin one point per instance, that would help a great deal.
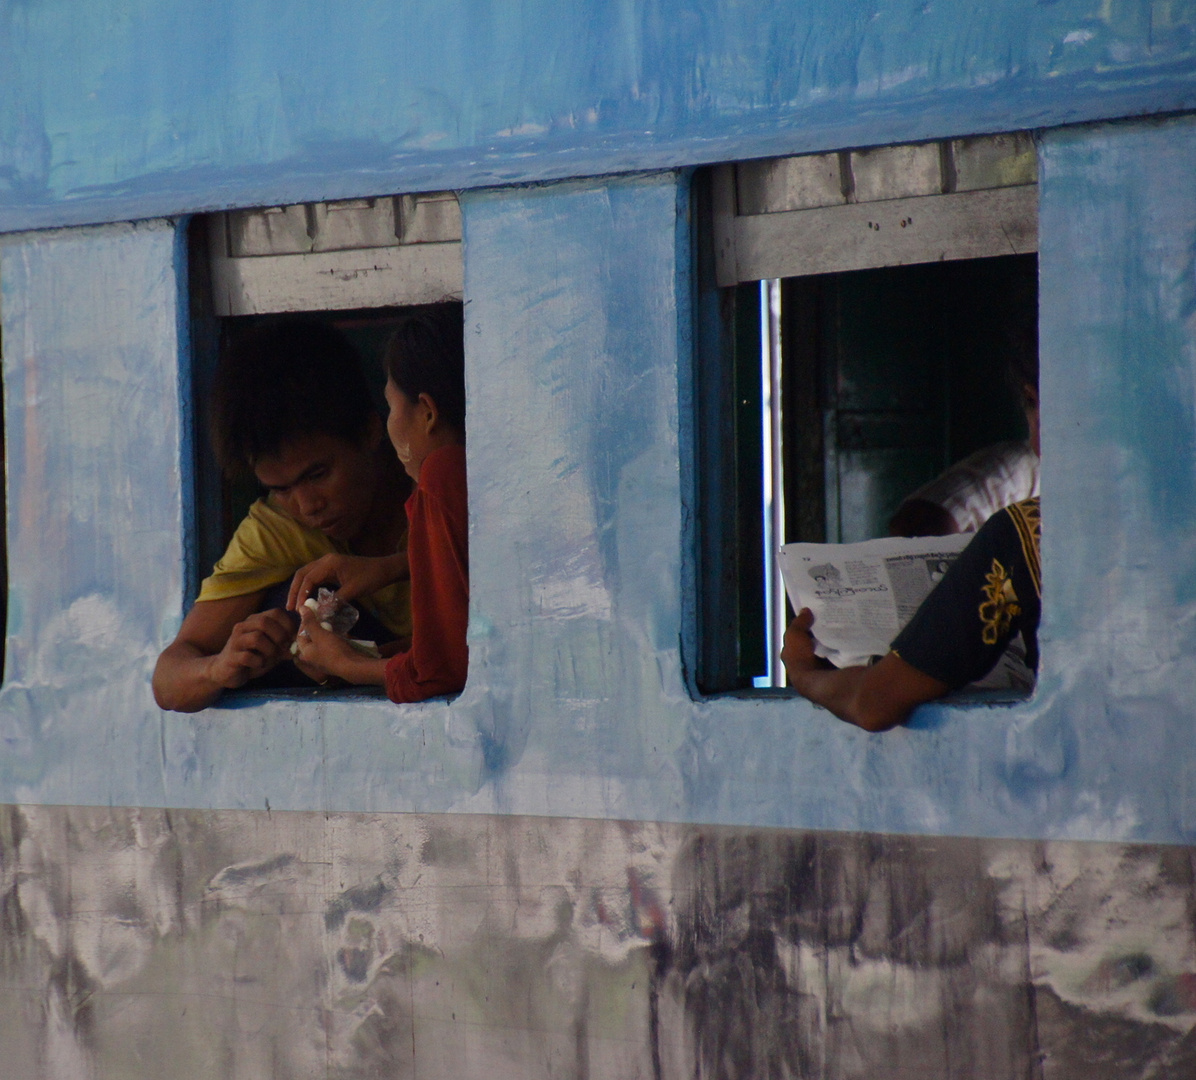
(446, 945)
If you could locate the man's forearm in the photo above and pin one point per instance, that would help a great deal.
(835, 689)
(874, 698)
(182, 679)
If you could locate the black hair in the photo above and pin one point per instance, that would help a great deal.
(426, 355)
(283, 380)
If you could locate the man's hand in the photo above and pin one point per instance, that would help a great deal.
(797, 651)
(322, 653)
(354, 576)
(221, 644)
(255, 645)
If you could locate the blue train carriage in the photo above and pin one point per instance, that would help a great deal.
(732, 275)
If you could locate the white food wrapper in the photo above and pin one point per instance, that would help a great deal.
(334, 614)
(337, 616)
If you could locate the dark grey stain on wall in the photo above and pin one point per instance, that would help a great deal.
(239, 944)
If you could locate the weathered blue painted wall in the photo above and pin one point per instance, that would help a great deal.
(93, 378)
(580, 383)
(579, 374)
(138, 108)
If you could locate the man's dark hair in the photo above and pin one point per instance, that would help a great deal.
(281, 381)
(426, 355)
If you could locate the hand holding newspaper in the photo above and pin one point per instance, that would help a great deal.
(863, 594)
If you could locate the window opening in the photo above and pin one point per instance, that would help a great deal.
(359, 265)
(877, 361)
(367, 330)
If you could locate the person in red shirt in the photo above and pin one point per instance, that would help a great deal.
(425, 389)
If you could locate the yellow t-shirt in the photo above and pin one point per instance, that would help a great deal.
(269, 546)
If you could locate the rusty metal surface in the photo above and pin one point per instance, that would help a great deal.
(136, 943)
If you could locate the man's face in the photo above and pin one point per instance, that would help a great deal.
(324, 482)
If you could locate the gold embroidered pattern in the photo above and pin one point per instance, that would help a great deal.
(1000, 604)
(1027, 519)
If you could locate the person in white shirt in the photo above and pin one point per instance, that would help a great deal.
(967, 494)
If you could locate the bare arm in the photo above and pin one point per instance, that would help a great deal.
(221, 645)
(874, 698)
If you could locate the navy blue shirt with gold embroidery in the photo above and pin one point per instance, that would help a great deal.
(993, 590)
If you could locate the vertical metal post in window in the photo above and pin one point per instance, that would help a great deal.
(774, 479)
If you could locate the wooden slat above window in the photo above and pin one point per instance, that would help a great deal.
(360, 253)
(891, 206)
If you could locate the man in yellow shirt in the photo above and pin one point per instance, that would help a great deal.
(291, 406)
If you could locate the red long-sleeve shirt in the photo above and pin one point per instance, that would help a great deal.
(438, 552)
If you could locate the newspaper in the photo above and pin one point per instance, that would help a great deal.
(863, 594)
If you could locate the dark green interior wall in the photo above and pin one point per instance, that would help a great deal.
(912, 378)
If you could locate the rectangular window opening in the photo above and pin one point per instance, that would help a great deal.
(840, 368)
(359, 266)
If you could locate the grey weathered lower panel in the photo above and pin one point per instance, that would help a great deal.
(144, 943)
